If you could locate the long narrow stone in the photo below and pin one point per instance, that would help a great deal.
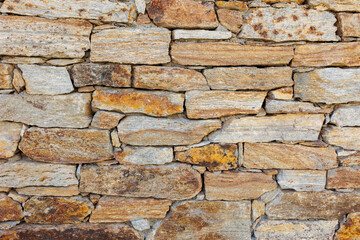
(336, 5)
(302, 180)
(279, 106)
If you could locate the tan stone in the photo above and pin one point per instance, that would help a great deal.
(286, 156)
(86, 89)
(182, 14)
(6, 71)
(317, 55)
(9, 138)
(174, 181)
(347, 137)
(206, 220)
(336, 5)
(18, 81)
(232, 5)
(115, 139)
(350, 230)
(247, 78)
(144, 155)
(23, 60)
(214, 104)
(168, 78)
(71, 190)
(33, 36)
(302, 180)
(139, 45)
(114, 209)
(229, 54)
(142, 130)
(10, 210)
(257, 209)
(285, 93)
(352, 160)
(17, 197)
(343, 178)
(283, 1)
(180, 34)
(231, 19)
(64, 62)
(106, 120)
(214, 157)
(349, 24)
(278, 106)
(143, 19)
(346, 115)
(237, 186)
(153, 103)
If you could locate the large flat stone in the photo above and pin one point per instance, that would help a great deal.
(172, 181)
(144, 155)
(142, 130)
(346, 115)
(346, 137)
(343, 178)
(350, 229)
(286, 127)
(6, 72)
(9, 138)
(33, 36)
(10, 210)
(302, 180)
(349, 24)
(336, 5)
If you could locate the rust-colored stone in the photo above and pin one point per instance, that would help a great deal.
(350, 230)
(10, 210)
(231, 19)
(106, 120)
(343, 178)
(233, 5)
(6, 71)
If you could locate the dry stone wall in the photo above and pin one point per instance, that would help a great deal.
(179, 119)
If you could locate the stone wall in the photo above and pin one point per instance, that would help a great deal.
(179, 119)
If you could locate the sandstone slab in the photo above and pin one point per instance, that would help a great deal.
(168, 78)
(56, 145)
(278, 106)
(347, 137)
(111, 75)
(233, 5)
(6, 71)
(142, 130)
(10, 210)
(139, 45)
(33, 36)
(235, 186)
(9, 138)
(336, 5)
(115, 209)
(57, 210)
(214, 157)
(328, 85)
(346, 115)
(230, 19)
(72, 110)
(302, 180)
(106, 120)
(215, 104)
(144, 155)
(246, 78)
(154, 103)
(180, 34)
(350, 229)
(349, 24)
(286, 127)
(286, 156)
(172, 181)
(343, 178)
(207, 220)
(229, 54)
(182, 14)
(71, 190)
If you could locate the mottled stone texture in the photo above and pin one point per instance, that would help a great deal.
(9, 138)
(350, 229)
(10, 210)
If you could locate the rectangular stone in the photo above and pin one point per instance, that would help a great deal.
(317, 55)
(72, 110)
(9, 138)
(71, 190)
(201, 34)
(349, 24)
(6, 72)
(336, 5)
(285, 127)
(144, 155)
(302, 180)
(215, 104)
(235, 186)
(229, 54)
(115, 209)
(106, 120)
(106, 11)
(346, 137)
(139, 45)
(287, 156)
(289, 24)
(343, 178)
(33, 36)
(248, 78)
(328, 85)
(278, 106)
(346, 115)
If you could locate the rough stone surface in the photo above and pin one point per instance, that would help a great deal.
(233, 5)
(246, 78)
(173, 181)
(18, 81)
(214, 157)
(278, 106)
(168, 78)
(71, 190)
(139, 45)
(72, 110)
(201, 34)
(10, 210)
(154, 103)
(114, 209)
(230, 19)
(237, 186)
(156, 131)
(350, 230)
(144, 155)
(33, 36)
(6, 71)
(349, 24)
(106, 120)
(111, 75)
(182, 14)
(302, 180)
(257, 209)
(336, 5)
(229, 54)
(56, 145)
(352, 160)
(287, 127)
(285, 93)
(328, 85)
(286, 156)
(207, 220)
(346, 115)
(343, 178)
(9, 138)
(347, 137)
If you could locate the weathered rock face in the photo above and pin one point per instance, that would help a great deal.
(336, 5)
(289, 24)
(58, 145)
(237, 186)
(173, 181)
(347, 137)
(343, 178)
(32, 36)
(207, 220)
(350, 229)
(349, 24)
(214, 157)
(10, 210)
(140, 45)
(302, 180)
(286, 156)
(346, 115)
(141, 130)
(288, 127)
(114, 209)
(105, 11)
(72, 110)
(328, 85)
(282, 229)
(352, 160)
(71, 190)
(6, 71)
(57, 210)
(111, 75)
(180, 34)
(278, 106)
(230, 19)
(144, 155)
(306, 205)
(168, 78)
(137, 101)
(182, 14)
(106, 120)
(9, 138)
(285, 93)
(229, 54)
